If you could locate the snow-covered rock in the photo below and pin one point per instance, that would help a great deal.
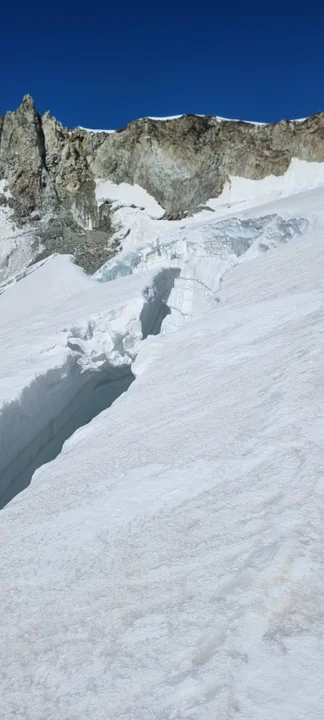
(167, 563)
(170, 167)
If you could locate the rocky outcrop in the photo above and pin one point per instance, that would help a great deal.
(22, 158)
(53, 188)
(68, 164)
(185, 161)
(181, 162)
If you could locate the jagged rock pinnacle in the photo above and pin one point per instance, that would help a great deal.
(28, 103)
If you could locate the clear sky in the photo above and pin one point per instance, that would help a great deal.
(102, 65)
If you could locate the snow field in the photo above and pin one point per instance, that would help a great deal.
(195, 576)
(167, 565)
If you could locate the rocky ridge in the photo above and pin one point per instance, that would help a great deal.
(181, 162)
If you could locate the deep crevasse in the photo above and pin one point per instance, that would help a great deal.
(93, 367)
(87, 369)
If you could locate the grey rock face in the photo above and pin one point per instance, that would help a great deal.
(22, 158)
(68, 165)
(184, 162)
(181, 162)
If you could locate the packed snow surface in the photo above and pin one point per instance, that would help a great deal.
(168, 564)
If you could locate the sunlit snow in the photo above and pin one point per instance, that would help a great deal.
(167, 564)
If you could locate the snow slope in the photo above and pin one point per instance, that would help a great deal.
(67, 347)
(168, 563)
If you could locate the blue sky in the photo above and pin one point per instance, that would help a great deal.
(101, 65)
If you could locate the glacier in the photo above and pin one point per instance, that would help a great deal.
(91, 366)
(203, 253)
(167, 563)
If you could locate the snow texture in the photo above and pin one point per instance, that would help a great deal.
(300, 176)
(64, 368)
(168, 564)
(203, 253)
